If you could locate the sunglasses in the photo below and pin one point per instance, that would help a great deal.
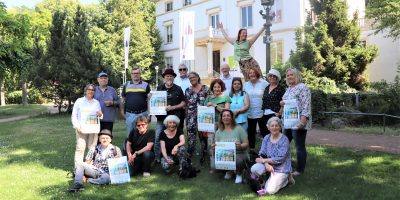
(141, 125)
(182, 69)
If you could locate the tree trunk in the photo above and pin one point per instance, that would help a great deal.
(24, 93)
(2, 92)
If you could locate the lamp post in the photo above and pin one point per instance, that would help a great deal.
(267, 4)
(156, 76)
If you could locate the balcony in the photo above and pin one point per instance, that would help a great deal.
(210, 34)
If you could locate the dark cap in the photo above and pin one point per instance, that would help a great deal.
(106, 132)
(102, 74)
(168, 71)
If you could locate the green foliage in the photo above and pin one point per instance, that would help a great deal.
(331, 47)
(34, 97)
(385, 14)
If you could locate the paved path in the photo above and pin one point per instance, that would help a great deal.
(11, 119)
(382, 143)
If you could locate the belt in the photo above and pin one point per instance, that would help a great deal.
(135, 111)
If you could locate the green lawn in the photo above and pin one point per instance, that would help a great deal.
(37, 153)
(16, 110)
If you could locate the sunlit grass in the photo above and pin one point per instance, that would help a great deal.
(16, 110)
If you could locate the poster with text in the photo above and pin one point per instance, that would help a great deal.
(119, 172)
(225, 155)
(291, 116)
(158, 103)
(206, 119)
(90, 122)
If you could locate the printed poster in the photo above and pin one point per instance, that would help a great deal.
(119, 172)
(90, 123)
(225, 155)
(291, 116)
(158, 103)
(186, 35)
(206, 119)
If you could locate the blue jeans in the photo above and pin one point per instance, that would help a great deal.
(299, 137)
(157, 149)
(130, 120)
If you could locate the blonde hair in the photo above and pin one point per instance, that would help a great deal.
(296, 73)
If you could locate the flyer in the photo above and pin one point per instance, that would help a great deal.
(90, 123)
(206, 119)
(291, 116)
(119, 171)
(225, 155)
(158, 103)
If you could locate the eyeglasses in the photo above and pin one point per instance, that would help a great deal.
(140, 125)
(182, 69)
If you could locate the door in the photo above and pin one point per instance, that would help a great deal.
(216, 61)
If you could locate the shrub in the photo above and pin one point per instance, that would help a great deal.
(34, 97)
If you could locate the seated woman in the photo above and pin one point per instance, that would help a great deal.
(139, 147)
(96, 166)
(274, 158)
(228, 131)
(172, 143)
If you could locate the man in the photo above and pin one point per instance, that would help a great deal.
(108, 99)
(226, 77)
(182, 80)
(135, 96)
(175, 105)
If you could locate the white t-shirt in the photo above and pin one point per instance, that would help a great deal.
(184, 83)
(255, 92)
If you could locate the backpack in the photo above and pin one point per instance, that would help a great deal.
(188, 171)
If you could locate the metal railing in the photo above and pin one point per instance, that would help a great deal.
(384, 116)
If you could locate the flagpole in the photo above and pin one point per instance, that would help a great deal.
(127, 33)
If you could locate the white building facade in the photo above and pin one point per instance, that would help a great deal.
(211, 49)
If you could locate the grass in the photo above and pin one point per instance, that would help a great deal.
(368, 129)
(36, 154)
(17, 110)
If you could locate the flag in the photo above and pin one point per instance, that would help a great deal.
(127, 35)
(186, 35)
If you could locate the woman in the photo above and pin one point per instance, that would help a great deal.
(240, 102)
(241, 49)
(96, 166)
(172, 143)
(139, 147)
(86, 110)
(274, 158)
(228, 131)
(195, 95)
(255, 89)
(219, 101)
(299, 92)
(272, 96)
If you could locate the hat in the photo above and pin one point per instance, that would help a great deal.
(275, 73)
(102, 74)
(106, 132)
(168, 71)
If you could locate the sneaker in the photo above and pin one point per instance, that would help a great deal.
(261, 192)
(76, 187)
(296, 173)
(228, 175)
(146, 174)
(238, 179)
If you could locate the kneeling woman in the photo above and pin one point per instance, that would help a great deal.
(274, 158)
(228, 131)
(172, 143)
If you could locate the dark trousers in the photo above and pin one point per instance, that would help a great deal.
(299, 137)
(106, 125)
(142, 163)
(252, 130)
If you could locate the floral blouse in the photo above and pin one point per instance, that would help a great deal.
(278, 152)
(302, 94)
(194, 99)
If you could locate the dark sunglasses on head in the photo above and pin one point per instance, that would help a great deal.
(182, 69)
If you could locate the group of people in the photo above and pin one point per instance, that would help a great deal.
(243, 110)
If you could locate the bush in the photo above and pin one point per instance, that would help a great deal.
(34, 97)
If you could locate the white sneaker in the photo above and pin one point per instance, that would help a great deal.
(238, 179)
(228, 175)
(146, 174)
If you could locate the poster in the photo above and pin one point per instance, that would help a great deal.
(186, 35)
(206, 119)
(119, 172)
(90, 123)
(291, 116)
(158, 103)
(225, 155)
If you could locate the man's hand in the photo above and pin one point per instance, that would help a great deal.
(169, 108)
(131, 158)
(108, 103)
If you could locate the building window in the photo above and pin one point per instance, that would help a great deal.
(276, 10)
(247, 16)
(168, 6)
(214, 20)
(276, 52)
(168, 30)
(187, 2)
(168, 62)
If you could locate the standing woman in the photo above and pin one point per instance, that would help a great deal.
(240, 102)
(298, 91)
(195, 95)
(272, 96)
(219, 101)
(255, 89)
(85, 106)
(241, 49)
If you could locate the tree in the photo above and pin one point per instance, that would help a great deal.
(331, 47)
(385, 15)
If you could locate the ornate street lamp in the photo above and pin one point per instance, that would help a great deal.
(266, 14)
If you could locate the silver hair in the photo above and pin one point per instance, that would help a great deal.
(173, 118)
(274, 119)
(183, 65)
(297, 75)
(87, 87)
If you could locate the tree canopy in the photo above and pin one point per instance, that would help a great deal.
(385, 15)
